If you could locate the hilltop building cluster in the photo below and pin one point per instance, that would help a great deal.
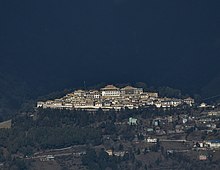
(111, 97)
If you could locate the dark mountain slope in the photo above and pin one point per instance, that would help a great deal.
(13, 92)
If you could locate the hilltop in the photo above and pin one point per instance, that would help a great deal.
(112, 97)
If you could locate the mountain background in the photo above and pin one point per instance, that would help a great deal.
(48, 46)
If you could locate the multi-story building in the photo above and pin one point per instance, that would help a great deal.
(129, 90)
(110, 91)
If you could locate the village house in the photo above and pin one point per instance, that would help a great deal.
(79, 93)
(190, 101)
(152, 94)
(151, 140)
(214, 144)
(132, 121)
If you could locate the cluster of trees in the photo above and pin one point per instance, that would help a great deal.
(48, 129)
(169, 92)
(99, 161)
(77, 118)
(26, 142)
(183, 161)
(13, 94)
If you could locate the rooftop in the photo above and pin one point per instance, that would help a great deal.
(110, 87)
(128, 88)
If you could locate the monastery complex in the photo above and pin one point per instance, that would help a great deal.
(111, 97)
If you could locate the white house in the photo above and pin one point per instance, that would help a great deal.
(110, 91)
(40, 104)
(151, 140)
(189, 101)
(213, 143)
(132, 121)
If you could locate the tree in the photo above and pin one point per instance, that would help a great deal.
(138, 151)
(141, 85)
(158, 162)
(89, 157)
(2, 158)
(169, 92)
(121, 147)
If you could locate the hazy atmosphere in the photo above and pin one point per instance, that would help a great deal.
(109, 84)
(54, 45)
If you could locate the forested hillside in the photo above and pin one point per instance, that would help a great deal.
(13, 92)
